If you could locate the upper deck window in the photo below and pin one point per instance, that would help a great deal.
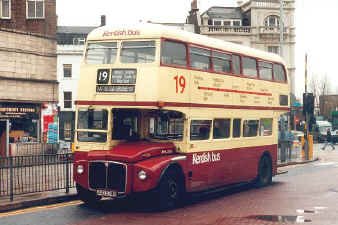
(221, 62)
(278, 72)
(265, 70)
(236, 64)
(200, 58)
(101, 53)
(174, 53)
(249, 67)
(138, 52)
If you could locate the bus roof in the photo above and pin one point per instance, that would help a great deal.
(148, 30)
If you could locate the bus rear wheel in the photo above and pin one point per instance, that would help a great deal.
(90, 198)
(169, 191)
(264, 177)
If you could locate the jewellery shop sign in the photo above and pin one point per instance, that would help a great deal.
(9, 110)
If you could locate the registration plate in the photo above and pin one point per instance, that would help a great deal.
(106, 193)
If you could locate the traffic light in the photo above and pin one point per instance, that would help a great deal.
(308, 103)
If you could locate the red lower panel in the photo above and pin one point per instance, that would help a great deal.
(216, 168)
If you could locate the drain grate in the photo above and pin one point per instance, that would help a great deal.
(281, 218)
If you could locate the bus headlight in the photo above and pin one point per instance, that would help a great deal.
(142, 175)
(79, 169)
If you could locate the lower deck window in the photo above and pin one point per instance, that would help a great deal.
(200, 129)
(221, 128)
(250, 128)
(265, 127)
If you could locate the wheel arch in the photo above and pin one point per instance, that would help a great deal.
(176, 168)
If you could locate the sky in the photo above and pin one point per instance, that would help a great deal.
(316, 26)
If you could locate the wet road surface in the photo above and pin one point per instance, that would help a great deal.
(307, 194)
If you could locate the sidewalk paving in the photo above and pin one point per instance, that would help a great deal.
(52, 197)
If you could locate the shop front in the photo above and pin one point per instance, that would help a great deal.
(23, 120)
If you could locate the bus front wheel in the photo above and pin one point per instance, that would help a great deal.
(169, 191)
(264, 177)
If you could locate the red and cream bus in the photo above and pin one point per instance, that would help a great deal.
(168, 112)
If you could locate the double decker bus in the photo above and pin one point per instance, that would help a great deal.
(169, 112)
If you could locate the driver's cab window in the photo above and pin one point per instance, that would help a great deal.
(125, 125)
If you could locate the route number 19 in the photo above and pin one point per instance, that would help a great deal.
(180, 84)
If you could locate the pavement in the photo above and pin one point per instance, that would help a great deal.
(53, 197)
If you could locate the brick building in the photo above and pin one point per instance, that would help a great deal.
(28, 64)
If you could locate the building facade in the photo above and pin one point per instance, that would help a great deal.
(327, 104)
(254, 23)
(70, 46)
(28, 65)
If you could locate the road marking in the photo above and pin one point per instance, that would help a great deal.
(40, 208)
(326, 164)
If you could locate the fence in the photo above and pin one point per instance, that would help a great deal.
(23, 174)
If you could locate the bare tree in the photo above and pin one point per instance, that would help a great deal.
(319, 85)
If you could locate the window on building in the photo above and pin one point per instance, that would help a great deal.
(236, 129)
(271, 21)
(67, 130)
(273, 49)
(278, 72)
(265, 128)
(67, 99)
(200, 129)
(5, 9)
(227, 23)
(67, 70)
(221, 128)
(265, 70)
(200, 58)
(35, 9)
(174, 53)
(236, 23)
(249, 67)
(236, 64)
(79, 41)
(221, 62)
(217, 22)
(250, 128)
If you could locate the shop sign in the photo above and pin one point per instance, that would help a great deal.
(12, 110)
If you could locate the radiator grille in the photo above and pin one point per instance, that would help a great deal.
(107, 175)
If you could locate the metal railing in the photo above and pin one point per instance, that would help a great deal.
(35, 173)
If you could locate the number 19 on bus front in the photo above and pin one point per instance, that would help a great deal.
(180, 84)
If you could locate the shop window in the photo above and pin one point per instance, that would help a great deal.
(236, 129)
(67, 70)
(221, 128)
(5, 9)
(35, 9)
(67, 97)
(67, 130)
(200, 129)
(250, 128)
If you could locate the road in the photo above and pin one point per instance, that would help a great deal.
(305, 194)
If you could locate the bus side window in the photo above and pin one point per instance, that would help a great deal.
(174, 53)
(249, 66)
(236, 129)
(200, 58)
(278, 73)
(200, 129)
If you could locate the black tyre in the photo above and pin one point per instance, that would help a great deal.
(170, 191)
(264, 177)
(88, 197)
